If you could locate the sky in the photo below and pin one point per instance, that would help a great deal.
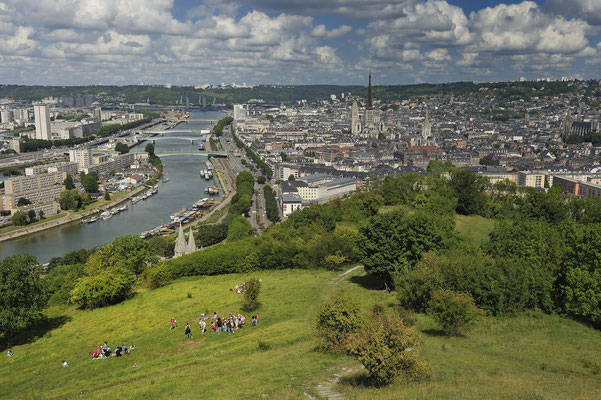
(194, 42)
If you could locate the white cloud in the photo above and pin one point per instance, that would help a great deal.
(525, 27)
(320, 31)
(587, 10)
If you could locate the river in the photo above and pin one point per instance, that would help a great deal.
(182, 190)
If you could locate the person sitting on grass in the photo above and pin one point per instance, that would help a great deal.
(117, 351)
(132, 348)
(9, 353)
(64, 364)
(124, 349)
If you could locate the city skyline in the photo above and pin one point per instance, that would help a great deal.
(184, 42)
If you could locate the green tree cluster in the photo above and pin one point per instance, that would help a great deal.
(271, 205)
(22, 294)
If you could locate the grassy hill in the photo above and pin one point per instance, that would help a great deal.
(531, 356)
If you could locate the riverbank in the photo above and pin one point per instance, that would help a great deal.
(28, 230)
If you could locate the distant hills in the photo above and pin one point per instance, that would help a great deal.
(276, 94)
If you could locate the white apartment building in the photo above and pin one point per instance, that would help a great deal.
(42, 122)
(82, 157)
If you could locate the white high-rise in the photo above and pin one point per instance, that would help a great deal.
(82, 157)
(42, 122)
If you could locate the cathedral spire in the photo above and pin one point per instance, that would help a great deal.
(369, 102)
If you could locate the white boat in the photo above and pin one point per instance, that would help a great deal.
(123, 208)
(106, 215)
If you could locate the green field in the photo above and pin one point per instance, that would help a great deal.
(527, 357)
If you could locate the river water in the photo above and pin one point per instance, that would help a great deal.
(182, 190)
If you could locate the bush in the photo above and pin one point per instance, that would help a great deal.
(387, 348)
(454, 312)
(337, 318)
(250, 301)
(104, 288)
(158, 275)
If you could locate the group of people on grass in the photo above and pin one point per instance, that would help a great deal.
(218, 325)
(105, 351)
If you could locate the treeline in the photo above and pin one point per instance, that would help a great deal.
(108, 130)
(502, 90)
(218, 128)
(271, 205)
(265, 168)
(39, 144)
(162, 95)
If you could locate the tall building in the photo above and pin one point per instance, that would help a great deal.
(355, 122)
(42, 122)
(82, 157)
(371, 124)
(239, 112)
(369, 109)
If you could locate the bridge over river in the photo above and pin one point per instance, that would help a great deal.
(221, 154)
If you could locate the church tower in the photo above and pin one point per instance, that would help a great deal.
(426, 128)
(369, 109)
(355, 123)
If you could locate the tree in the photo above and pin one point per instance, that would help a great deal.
(23, 202)
(122, 148)
(31, 215)
(261, 179)
(69, 183)
(470, 190)
(239, 229)
(19, 218)
(149, 149)
(394, 242)
(132, 253)
(454, 312)
(291, 177)
(90, 182)
(387, 348)
(22, 293)
(41, 214)
(337, 319)
(70, 200)
(107, 196)
(103, 288)
(250, 301)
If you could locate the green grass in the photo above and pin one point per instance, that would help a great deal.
(526, 357)
(474, 228)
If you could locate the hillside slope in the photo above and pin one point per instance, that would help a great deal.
(530, 356)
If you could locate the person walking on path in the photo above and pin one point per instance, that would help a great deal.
(203, 325)
(173, 326)
(188, 331)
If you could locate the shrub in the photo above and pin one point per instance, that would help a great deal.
(387, 348)
(106, 287)
(158, 275)
(263, 346)
(454, 312)
(334, 262)
(250, 301)
(336, 320)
